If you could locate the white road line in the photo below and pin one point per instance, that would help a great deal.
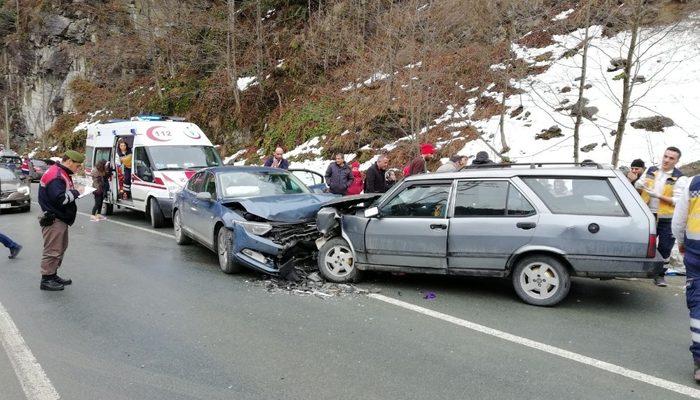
(128, 225)
(132, 226)
(35, 384)
(605, 366)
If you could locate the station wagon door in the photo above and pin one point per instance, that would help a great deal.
(489, 221)
(587, 218)
(411, 230)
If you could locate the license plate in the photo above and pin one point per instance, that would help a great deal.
(320, 242)
(6, 205)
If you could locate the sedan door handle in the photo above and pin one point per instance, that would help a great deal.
(438, 226)
(526, 225)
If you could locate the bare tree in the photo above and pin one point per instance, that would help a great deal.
(231, 58)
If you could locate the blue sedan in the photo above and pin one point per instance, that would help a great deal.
(258, 217)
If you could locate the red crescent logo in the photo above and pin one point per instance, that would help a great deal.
(153, 135)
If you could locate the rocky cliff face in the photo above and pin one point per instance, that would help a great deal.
(48, 63)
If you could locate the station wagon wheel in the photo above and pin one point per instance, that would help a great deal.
(180, 236)
(223, 249)
(541, 280)
(336, 261)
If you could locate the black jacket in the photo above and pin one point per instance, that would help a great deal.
(375, 181)
(57, 194)
(339, 178)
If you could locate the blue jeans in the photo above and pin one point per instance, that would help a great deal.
(9, 243)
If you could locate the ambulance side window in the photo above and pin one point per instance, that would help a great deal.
(143, 164)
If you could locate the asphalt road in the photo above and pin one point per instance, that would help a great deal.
(148, 319)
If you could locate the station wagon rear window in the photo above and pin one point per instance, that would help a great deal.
(579, 196)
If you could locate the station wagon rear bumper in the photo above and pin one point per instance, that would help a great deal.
(616, 267)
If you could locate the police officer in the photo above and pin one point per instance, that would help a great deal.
(57, 195)
(661, 190)
(686, 229)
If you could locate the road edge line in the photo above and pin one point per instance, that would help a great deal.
(559, 352)
(32, 378)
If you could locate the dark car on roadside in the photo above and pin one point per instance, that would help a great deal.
(37, 168)
(14, 194)
(258, 217)
(10, 160)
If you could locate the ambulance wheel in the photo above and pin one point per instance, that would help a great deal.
(155, 214)
(109, 209)
(224, 240)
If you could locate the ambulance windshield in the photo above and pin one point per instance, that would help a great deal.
(183, 157)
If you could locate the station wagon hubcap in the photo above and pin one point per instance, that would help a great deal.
(339, 261)
(539, 280)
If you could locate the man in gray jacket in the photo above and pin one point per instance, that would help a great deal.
(455, 164)
(339, 176)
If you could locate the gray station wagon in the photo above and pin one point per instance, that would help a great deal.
(537, 224)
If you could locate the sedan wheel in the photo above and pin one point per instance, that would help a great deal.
(541, 280)
(180, 236)
(336, 261)
(223, 249)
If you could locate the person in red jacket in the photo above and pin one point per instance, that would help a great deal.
(357, 182)
(418, 165)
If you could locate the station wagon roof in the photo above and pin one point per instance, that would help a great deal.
(509, 172)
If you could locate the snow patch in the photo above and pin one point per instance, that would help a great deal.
(245, 82)
(563, 15)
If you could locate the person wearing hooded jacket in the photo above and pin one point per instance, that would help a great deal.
(481, 159)
(357, 181)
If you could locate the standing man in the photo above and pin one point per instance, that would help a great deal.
(375, 181)
(481, 159)
(661, 190)
(339, 176)
(418, 165)
(57, 196)
(455, 164)
(11, 245)
(277, 160)
(686, 229)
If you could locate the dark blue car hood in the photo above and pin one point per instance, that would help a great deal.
(283, 208)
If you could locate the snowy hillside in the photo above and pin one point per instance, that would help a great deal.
(668, 71)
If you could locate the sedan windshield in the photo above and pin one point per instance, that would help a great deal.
(183, 157)
(262, 183)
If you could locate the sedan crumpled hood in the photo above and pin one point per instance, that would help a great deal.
(283, 208)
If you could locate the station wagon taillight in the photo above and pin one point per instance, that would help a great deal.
(651, 248)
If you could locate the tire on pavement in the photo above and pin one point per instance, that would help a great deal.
(336, 261)
(180, 236)
(156, 214)
(109, 209)
(224, 240)
(541, 280)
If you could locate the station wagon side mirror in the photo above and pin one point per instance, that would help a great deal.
(372, 212)
(204, 196)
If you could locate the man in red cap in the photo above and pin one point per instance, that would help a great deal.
(418, 165)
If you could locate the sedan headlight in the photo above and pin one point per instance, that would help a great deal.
(256, 228)
(24, 190)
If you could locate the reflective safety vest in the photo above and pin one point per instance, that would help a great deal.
(692, 227)
(665, 209)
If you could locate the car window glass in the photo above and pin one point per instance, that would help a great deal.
(481, 198)
(210, 185)
(143, 164)
(422, 200)
(309, 178)
(87, 163)
(581, 196)
(518, 204)
(196, 184)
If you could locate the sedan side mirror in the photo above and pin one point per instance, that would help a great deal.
(372, 212)
(205, 196)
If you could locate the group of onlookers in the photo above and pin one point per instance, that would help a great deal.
(347, 179)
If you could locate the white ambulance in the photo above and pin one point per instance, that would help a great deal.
(166, 151)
